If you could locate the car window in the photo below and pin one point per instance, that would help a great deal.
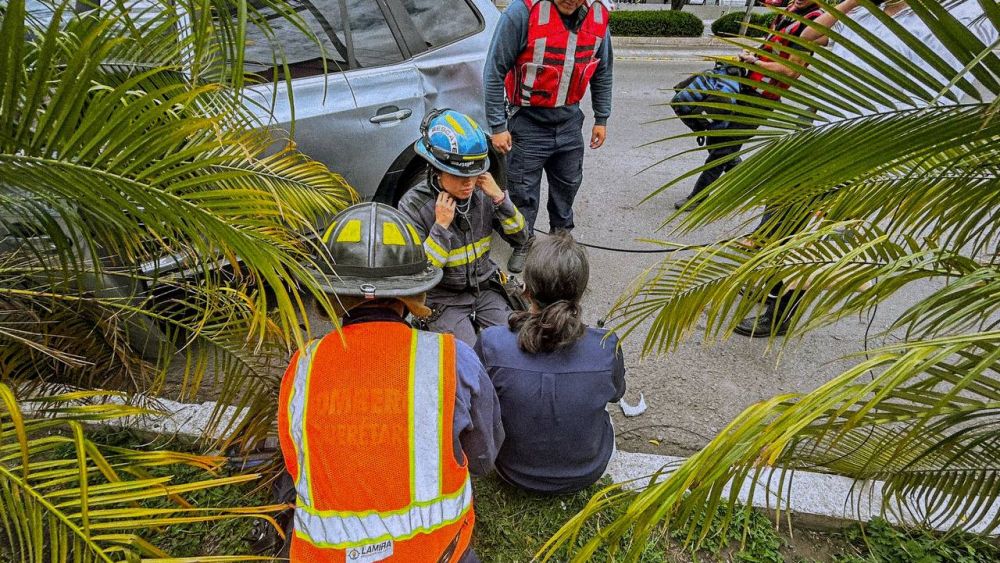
(365, 41)
(302, 54)
(373, 41)
(442, 21)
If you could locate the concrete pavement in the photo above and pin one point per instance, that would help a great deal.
(693, 391)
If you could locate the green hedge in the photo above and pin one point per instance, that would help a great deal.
(729, 24)
(656, 23)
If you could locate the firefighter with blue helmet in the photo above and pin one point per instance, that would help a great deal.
(456, 208)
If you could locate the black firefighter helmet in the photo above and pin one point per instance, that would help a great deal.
(373, 251)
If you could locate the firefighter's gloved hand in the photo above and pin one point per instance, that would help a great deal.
(701, 140)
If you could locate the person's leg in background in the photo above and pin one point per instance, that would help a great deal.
(715, 152)
(781, 302)
(564, 170)
(533, 144)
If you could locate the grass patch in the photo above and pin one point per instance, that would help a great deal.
(228, 537)
(878, 541)
(511, 526)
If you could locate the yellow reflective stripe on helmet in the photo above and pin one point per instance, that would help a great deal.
(413, 232)
(454, 124)
(513, 224)
(298, 403)
(329, 231)
(436, 255)
(351, 231)
(468, 253)
(353, 530)
(391, 235)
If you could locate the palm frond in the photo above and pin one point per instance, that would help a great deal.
(86, 503)
(894, 181)
(899, 428)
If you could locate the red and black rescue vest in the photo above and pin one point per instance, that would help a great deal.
(556, 65)
(788, 26)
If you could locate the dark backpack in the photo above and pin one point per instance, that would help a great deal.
(714, 85)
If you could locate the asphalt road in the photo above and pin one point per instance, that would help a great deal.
(694, 391)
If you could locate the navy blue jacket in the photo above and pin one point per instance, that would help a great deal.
(559, 436)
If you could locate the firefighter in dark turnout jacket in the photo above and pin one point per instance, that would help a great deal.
(456, 209)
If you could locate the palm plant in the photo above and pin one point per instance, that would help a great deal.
(141, 211)
(94, 505)
(899, 169)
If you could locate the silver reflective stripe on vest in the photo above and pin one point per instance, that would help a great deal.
(567, 73)
(344, 530)
(296, 419)
(598, 12)
(597, 46)
(537, 58)
(430, 506)
(544, 12)
(425, 416)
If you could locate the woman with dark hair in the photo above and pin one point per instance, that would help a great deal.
(554, 377)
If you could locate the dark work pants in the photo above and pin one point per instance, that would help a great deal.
(456, 312)
(716, 152)
(555, 149)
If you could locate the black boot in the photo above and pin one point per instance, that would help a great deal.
(515, 264)
(680, 203)
(774, 320)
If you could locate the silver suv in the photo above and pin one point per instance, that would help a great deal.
(389, 62)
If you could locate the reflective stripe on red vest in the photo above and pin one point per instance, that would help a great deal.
(793, 28)
(374, 447)
(556, 65)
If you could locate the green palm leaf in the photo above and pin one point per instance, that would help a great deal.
(87, 505)
(894, 181)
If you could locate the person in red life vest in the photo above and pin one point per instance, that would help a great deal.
(543, 57)
(380, 424)
(786, 24)
(783, 24)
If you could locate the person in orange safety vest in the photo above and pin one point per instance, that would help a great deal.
(380, 424)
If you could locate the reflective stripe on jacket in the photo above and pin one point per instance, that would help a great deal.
(463, 249)
(555, 67)
(368, 414)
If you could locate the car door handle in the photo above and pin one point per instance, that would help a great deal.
(393, 116)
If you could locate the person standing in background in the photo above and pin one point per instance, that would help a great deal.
(543, 57)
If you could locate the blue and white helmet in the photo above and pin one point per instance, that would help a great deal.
(454, 143)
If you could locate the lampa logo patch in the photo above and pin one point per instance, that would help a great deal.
(371, 552)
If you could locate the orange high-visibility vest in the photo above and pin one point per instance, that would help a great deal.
(365, 424)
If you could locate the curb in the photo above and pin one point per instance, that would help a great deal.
(669, 42)
(816, 500)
